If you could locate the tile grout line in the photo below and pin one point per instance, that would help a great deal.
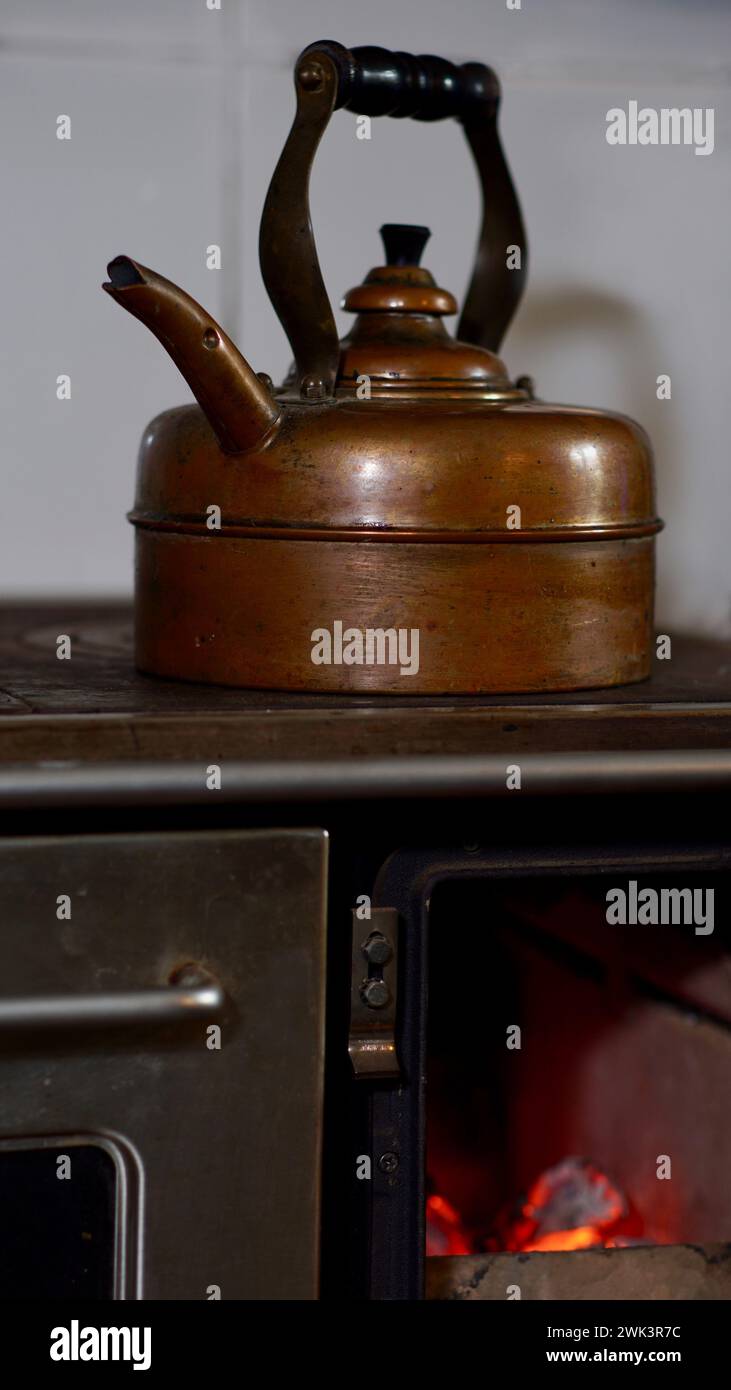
(230, 166)
(158, 53)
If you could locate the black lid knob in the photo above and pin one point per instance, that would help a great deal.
(402, 243)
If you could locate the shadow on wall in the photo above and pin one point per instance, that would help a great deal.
(552, 324)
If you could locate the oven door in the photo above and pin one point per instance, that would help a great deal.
(161, 1065)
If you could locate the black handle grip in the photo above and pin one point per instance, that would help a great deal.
(376, 82)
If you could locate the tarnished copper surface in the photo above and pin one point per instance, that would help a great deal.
(238, 406)
(397, 480)
(387, 288)
(411, 352)
(490, 617)
(447, 465)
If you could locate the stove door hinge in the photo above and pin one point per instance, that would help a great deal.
(373, 996)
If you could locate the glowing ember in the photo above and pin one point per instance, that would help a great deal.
(572, 1206)
(445, 1234)
(581, 1238)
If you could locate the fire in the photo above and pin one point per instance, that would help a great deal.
(581, 1238)
(445, 1234)
(572, 1206)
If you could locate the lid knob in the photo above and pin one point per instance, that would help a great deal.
(403, 243)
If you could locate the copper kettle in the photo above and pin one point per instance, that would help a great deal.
(399, 516)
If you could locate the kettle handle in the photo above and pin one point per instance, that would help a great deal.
(372, 81)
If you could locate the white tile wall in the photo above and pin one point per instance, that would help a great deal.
(178, 115)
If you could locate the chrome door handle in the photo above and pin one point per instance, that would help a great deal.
(191, 993)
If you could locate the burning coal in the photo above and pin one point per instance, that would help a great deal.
(571, 1206)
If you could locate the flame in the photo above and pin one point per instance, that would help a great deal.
(580, 1238)
(445, 1234)
(572, 1206)
(600, 1200)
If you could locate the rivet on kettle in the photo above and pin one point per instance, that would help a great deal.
(311, 77)
(312, 388)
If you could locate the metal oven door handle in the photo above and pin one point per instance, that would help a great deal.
(191, 993)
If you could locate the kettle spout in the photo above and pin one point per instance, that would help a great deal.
(238, 406)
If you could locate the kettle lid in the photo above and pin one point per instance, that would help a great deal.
(399, 345)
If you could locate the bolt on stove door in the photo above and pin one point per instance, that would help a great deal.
(161, 1065)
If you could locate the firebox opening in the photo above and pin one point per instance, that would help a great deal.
(578, 1071)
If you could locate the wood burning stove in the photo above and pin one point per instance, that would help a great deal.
(374, 914)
